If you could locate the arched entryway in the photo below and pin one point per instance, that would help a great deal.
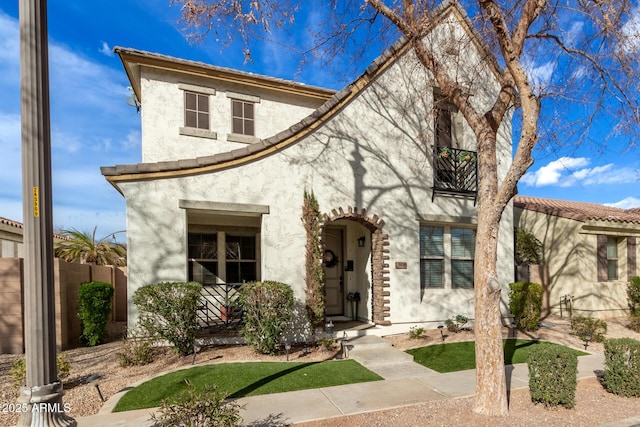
(379, 244)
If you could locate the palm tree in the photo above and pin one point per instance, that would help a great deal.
(84, 247)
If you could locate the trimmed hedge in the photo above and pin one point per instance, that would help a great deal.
(267, 310)
(168, 312)
(553, 373)
(581, 326)
(622, 366)
(633, 292)
(94, 300)
(525, 303)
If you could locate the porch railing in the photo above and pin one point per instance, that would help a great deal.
(455, 172)
(219, 307)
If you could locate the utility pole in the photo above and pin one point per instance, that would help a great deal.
(40, 400)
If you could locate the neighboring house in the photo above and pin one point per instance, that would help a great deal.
(227, 156)
(11, 238)
(590, 252)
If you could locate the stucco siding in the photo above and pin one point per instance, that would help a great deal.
(570, 255)
(162, 115)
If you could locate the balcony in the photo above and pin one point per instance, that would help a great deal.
(455, 172)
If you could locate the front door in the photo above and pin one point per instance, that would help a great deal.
(333, 272)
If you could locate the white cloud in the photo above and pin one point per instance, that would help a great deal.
(570, 171)
(631, 32)
(553, 173)
(133, 140)
(626, 203)
(105, 49)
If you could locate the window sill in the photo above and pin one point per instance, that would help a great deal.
(245, 139)
(198, 133)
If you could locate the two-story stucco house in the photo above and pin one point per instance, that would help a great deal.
(227, 156)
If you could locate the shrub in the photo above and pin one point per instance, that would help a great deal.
(634, 323)
(451, 325)
(199, 409)
(633, 292)
(314, 273)
(525, 303)
(267, 311)
(553, 373)
(581, 326)
(622, 366)
(137, 350)
(416, 332)
(168, 312)
(19, 369)
(327, 342)
(94, 300)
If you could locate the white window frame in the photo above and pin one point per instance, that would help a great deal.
(448, 258)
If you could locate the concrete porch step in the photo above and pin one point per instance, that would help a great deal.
(373, 350)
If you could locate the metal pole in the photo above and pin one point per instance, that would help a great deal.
(41, 398)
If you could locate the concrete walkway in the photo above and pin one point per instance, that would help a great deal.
(405, 383)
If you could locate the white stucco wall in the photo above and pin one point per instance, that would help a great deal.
(375, 154)
(162, 115)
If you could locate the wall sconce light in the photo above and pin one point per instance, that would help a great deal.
(361, 241)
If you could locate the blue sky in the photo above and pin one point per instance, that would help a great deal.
(92, 126)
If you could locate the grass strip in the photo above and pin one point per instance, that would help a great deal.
(460, 356)
(246, 379)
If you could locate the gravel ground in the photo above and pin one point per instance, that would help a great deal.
(593, 405)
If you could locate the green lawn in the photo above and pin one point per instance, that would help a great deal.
(247, 379)
(461, 355)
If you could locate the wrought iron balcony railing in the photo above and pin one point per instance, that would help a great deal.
(455, 172)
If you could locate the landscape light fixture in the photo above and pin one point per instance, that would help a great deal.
(287, 347)
(441, 333)
(586, 338)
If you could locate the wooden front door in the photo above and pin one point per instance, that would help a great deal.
(333, 271)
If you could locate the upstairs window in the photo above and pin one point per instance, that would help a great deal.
(243, 118)
(443, 120)
(196, 110)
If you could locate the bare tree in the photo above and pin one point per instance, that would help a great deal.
(552, 56)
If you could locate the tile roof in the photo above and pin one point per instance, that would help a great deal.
(578, 211)
(19, 225)
(205, 164)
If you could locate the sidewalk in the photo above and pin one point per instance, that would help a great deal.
(405, 383)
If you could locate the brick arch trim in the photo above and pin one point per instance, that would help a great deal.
(380, 292)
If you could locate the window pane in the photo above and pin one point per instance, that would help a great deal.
(241, 247)
(237, 126)
(190, 119)
(190, 101)
(431, 241)
(203, 246)
(612, 269)
(612, 248)
(203, 272)
(203, 103)
(431, 273)
(236, 108)
(461, 274)
(203, 120)
(248, 110)
(462, 243)
(239, 272)
(248, 127)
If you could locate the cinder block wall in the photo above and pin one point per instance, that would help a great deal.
(11, 334)
(68, 277)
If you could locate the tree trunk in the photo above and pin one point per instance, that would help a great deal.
(491, 388)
